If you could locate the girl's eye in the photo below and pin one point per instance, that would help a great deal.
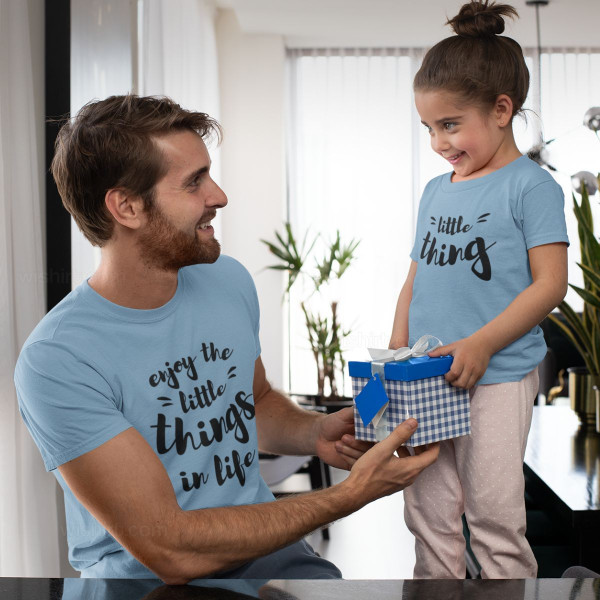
(428, 128)
(449, 126)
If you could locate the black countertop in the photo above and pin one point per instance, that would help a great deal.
(122, 589)
(567, 459)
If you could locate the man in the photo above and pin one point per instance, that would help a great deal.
(144, 388)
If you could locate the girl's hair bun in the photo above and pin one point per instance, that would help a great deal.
(481, 18)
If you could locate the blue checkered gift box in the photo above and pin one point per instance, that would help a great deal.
(415, 388)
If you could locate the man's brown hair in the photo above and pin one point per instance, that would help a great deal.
(477, 64)
(108, 145)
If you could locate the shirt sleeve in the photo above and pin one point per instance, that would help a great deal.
(256, 320)
(542, 215)
(67, 405)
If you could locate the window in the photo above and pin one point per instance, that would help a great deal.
(358, 159)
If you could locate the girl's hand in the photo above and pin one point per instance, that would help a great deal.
(471, 358)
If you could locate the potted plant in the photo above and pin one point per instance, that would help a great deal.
(324, 330)
(583, 329)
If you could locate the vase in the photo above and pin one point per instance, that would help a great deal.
(597, 394)
(583, 396)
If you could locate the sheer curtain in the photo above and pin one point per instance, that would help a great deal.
(28, 507)
(358, 159)
(155, 48)
(570, 84)
(178, 58)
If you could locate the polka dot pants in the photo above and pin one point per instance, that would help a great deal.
(480, 475)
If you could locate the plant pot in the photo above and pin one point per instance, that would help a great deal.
(582, 395)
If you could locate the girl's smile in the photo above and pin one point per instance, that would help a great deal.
(473, 141)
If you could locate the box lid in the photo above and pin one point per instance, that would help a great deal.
(405, 370)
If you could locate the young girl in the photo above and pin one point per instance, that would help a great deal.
(488, 264)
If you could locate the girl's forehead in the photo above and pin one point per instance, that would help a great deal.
(438, 102)
(441, 103)
(439, 97)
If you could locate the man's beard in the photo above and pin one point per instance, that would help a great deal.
(164, 246)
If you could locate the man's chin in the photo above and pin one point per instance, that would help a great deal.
(208, 255)
(212, 253)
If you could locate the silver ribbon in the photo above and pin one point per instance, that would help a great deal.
(379, 357)
(423, 346)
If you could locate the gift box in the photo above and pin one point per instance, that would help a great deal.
(387, 393)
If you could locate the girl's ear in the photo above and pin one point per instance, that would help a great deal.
(503, 110)
(126, 208)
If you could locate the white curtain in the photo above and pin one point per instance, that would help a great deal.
(28, 508)
(178, 58)
(353, 135)
(358, 159)
(174, 43)
(570, 85)
(178, 55)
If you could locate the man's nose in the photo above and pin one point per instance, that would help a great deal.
(217, 197)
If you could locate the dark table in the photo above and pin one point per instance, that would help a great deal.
(115, 589)
(562, 468)
(313, 402)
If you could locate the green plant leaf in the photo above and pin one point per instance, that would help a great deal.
(345, 256)
(591, 276)
(590, 248)
(582, 347)
(574, 322)
(286, 250)
(587, 296)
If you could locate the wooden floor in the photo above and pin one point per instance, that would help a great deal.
(373, 543)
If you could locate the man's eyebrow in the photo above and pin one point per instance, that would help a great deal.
(189, 178)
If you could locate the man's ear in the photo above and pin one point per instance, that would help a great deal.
(503, 110)
(126, 208)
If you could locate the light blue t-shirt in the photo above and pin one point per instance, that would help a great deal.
(180, 374)
(471, 247)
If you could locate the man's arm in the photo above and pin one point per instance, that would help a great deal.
(285, 428)
(123, 484)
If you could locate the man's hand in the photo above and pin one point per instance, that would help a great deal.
(471, 358)
(388, 467)
(335, 442)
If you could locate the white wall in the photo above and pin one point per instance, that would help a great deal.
(251, 75)
(406, 23)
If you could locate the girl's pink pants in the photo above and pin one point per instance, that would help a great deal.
(480, 475)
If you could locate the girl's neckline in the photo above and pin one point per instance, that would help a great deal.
(455, 186)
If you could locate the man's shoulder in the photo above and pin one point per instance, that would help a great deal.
(59, 336)
(52, 325)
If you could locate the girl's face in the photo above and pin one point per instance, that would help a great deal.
(473, 141)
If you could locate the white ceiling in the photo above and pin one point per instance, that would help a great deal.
(405, 23)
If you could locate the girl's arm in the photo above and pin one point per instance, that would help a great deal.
(399, 337)
(472, 354)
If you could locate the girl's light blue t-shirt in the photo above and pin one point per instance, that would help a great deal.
(471, 246)
(180, 374)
